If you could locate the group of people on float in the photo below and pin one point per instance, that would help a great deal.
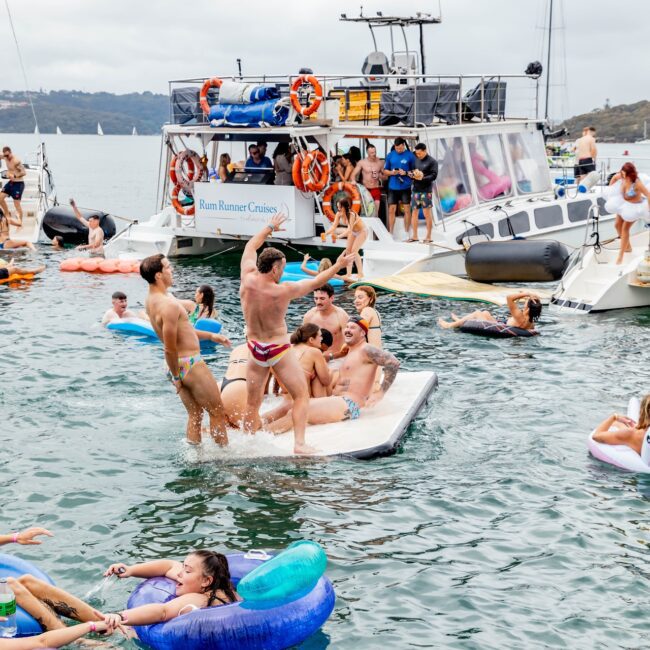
(202, 580)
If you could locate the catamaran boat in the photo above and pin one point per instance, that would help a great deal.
(39, 195)
(493, 181)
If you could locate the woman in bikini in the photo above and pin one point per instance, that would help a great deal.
(306, 341)
(625, 431)
(354, 229)
(233, 385)
(365, 298)
(6, 242)
(523, 317)
(203, 307)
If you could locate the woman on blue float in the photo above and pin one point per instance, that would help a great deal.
(203, 307)
(625, 431)
(323, 265)
(202, 580)
(524, 318)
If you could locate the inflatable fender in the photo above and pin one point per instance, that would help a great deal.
(14, 567)
(495, 330)
(60, 220)
(293, 273)
(621, 456)
(233, 626)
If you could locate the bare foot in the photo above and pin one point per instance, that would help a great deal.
(304, 450)
(445, 325)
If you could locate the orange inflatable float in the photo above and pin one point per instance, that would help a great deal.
(350, 189)
(99, 265)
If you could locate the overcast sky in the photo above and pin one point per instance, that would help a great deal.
(601, 48)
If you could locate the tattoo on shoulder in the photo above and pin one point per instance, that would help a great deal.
(387, 361)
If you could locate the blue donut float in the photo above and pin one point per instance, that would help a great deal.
(14, 567)
(293, 273)
(495, 329)
(141, 327)
(286, 600)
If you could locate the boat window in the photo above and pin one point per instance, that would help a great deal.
(578, 210)
(516, 224)
(478, 233)
(488, 159)
(548, 217)
(452, 185)
(529, 161)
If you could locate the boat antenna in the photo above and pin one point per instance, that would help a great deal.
(22, 66)
(548, 57)
(239, 67)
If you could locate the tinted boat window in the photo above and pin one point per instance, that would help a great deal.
(529, 161)
(548, 217)
(578, 211)
(481, 232)
(452, 185)
(488, 160)
(519, 224)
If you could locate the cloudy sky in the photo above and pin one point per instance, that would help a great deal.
(601, 48)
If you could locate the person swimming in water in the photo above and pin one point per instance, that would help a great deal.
(524, 318)
(621, 430)
(203, 307)
(7, 269)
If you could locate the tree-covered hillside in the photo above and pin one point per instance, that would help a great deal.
(623, 123)
(78, 112)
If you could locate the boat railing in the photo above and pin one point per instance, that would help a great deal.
(385, 100)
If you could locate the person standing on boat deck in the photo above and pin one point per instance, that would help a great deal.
(265, 302)
(585, 153)
(353, 389)
(256, 160)
(399, 162)
(282, 164)
(425, 172)
(16, 185)
(95, 243)
(326, 314)
(370, 169)
(189, 374)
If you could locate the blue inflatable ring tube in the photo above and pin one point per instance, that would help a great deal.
(293, 273)
(142, 327)
(14, 567)
(234, 626)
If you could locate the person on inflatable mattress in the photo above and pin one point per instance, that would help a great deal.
(621, 430)
(523, 317)
(7, 269)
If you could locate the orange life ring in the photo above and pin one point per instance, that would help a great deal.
(315, 182)
(215, 82)
(318, 90)
(185, 169)
(180, 209)
(296, 172)
(350, 189)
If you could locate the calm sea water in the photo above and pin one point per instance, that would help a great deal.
(491, 528)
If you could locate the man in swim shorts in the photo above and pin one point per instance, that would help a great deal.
(265, 302)
(189, 374)
(95, 243)
(353, 389)
(328, 315)
(16, 185)
(119, 309)
(399, 162)
(585, 153)
(370, 169)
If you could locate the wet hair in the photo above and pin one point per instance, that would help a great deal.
(630, 171)
(420, 146)
(207, 302)
(370, 292)
(150, 266)
(328, 339)
(534, 309)
(118, 295)
(267, 258)
(304, 333)
(215, 566)
(644, 413)
(326, 288)
(325, 263)
(58, 240)
(399, 142)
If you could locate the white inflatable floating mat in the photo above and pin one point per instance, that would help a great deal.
(620, 456)
(377, 432)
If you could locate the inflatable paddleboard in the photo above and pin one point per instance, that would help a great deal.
(620, 456)
(293, 273)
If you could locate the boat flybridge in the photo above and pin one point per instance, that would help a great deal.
(493, 180)
(39, 195)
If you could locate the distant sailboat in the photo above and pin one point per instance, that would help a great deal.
(58, 131)
(645, 134)
(99, 129)
(36, 131)
(135, 131)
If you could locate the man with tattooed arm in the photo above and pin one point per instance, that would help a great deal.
(353, 389)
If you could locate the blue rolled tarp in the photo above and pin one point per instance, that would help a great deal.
(267, 113)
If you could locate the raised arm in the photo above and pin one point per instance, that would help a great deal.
(77, 213)
(25, 537)
(154, 569)
(305, 269)
(389, 363)
(249, 256)
(512, 300)
(299, 289)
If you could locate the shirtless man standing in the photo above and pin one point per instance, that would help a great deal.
(354, 387)
(370, 169)
(585, 153)
(95, 233)
(330, 316)
(264, 303)
(192, 379)
(16, 185)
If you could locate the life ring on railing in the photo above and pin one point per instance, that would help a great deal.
(318, 90)
(185, 169)
(185, 210)
(312, 180)
(296, 172)
(215, 82)
(350, 189)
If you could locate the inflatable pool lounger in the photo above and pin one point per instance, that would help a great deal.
(293, 273)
